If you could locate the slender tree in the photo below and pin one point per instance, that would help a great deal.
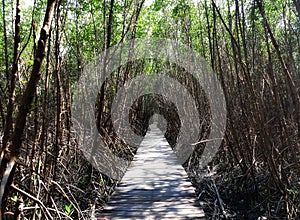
(10, 157)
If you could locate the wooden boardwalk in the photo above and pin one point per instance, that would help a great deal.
(155, 186)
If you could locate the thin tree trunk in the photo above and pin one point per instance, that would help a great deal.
(107, 45)
(209, 34)
(59, 96)
(110, 23)
(291, 84)
(5, 39)
(2, 113)
(12, 85)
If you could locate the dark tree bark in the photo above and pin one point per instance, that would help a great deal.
(297, 5)
(289, 79)
(13, 78)
(5, 39)
(59, 95)
(110, 24)
(8, 162)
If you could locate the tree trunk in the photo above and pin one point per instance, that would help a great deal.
(8, 163)
(12, 85)
(5, 39)
(289, 79)
(297, 4)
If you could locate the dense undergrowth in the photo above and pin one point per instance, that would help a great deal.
(252, 46)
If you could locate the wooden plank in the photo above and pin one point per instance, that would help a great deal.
(155, 186)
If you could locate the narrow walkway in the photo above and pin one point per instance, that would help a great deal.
(155, 185)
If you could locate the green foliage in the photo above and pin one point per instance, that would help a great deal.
(84, 181)
(102, 182)
(38, 213)
(158, 5)
(294, 192)
(181, 9)
(14, 197)
(74, 165)
(236, 44)
(69, 209)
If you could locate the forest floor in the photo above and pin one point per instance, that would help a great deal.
(224, 193)
(234, 195)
